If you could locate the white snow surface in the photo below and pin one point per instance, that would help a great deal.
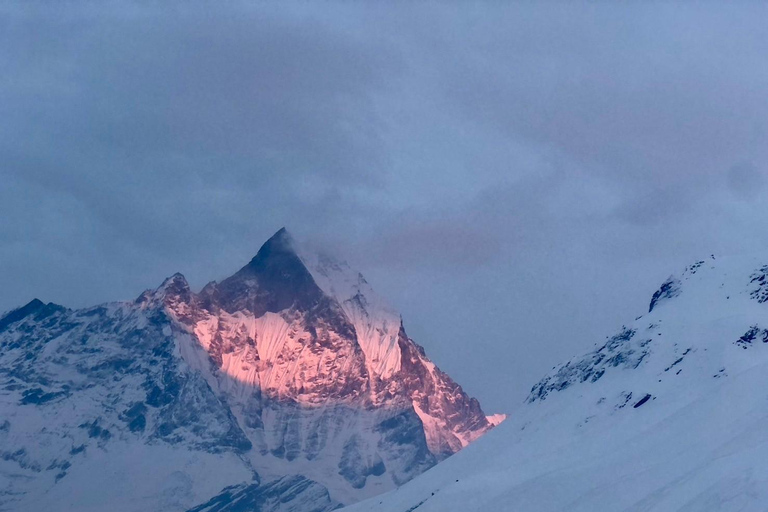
(668, 415)
(376, 323)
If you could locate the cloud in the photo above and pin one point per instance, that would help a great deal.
(745, 181)
(516, 178)
(162, 130)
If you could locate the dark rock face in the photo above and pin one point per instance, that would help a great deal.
(759, 281)
(403, 439)
(640, 402)
(303, 494)
(355, 467)
(753, 334)
(669, 289)
(36, 307)
(275, 280)
(621, 350)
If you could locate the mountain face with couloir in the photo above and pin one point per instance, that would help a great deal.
(668, 413)
(289, 386)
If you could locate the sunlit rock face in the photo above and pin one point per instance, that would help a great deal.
(291, 366)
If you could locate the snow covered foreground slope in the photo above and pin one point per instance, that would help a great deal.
(289, 386)
(668, 414)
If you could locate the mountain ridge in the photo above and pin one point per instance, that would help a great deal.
(291, 366)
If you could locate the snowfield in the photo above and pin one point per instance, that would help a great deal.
(667, 414)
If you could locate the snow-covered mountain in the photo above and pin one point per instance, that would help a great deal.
(288, 386)
(667, 414)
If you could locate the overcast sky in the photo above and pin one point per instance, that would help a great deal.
(516, 179)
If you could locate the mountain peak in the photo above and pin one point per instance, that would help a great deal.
(281, 233)
(279, 244)
(176, 284)
(274, 280)
(34, 307)
(19, 313)
(172, 288)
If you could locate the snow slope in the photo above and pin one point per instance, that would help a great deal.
(668, 413)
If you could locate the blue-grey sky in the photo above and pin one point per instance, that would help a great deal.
(516, 178)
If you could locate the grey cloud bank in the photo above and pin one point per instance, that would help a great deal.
(516, 179)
